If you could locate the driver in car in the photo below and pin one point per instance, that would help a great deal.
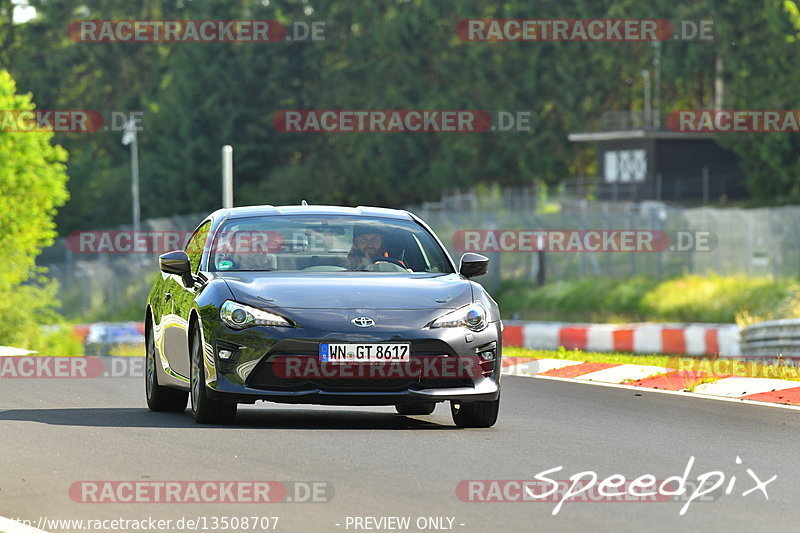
(368, 248)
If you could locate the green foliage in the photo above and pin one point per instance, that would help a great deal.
(715, 298)
(689, 298)
(32, 185)
(30, 321)
(590, 299)
(397, 54)
(787, 306)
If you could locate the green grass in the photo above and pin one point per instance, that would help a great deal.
(54, 341)
(689, 298)
(733, 368)
(127, 350)
(588, 357)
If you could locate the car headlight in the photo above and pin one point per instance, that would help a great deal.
(240, 316)
(472, 316)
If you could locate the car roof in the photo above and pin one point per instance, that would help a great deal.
(264, 210)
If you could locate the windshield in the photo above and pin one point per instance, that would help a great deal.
(322, 243)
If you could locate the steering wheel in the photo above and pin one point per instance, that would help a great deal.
(390, 260)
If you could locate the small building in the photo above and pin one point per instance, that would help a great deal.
(636, 162)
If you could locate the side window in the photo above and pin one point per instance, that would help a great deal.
(194, 248)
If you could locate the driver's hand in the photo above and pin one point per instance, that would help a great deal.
(358, 260)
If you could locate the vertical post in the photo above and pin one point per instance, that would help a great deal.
(582, 227)
(657, 83)
(137, 210)
(658, 186)
(655, 224)
(227, 176)
(719, 84)
(647, 108)
(84, 277)
(70, 264)
(129, 137)
(629, 225)
(705, 185)
(541, 272)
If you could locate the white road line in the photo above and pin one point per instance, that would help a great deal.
(674, 393)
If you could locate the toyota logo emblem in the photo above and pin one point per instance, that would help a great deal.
(363, 322)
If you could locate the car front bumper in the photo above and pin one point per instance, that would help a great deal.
(249, 376)
(487, 391)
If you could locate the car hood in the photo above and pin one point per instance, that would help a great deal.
(351, 290)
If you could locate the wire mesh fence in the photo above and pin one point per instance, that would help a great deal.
(108, 286)
(755, 242)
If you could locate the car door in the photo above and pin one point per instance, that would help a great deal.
(178, 303)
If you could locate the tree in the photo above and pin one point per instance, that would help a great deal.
(397, 54)
(32, 185)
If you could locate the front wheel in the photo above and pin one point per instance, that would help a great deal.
(475, 414)
(206, 410)
(159, 398)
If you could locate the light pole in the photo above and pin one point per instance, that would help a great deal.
(227, 176)
(129, 138)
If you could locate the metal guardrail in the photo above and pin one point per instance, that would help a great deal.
(772, 338)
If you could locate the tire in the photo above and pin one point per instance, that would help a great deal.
(159, 398)
(205, 409)
(421, 408)
(475, 414)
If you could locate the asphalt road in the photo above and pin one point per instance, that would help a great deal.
(54, 432)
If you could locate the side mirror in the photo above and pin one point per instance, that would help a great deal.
(177, 262)
(473, 265)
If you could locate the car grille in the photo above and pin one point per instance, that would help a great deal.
(444, 383)
(264, 376)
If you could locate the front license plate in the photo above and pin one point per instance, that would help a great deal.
(365, 353)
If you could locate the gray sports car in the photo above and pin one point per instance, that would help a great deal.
(324, 305)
